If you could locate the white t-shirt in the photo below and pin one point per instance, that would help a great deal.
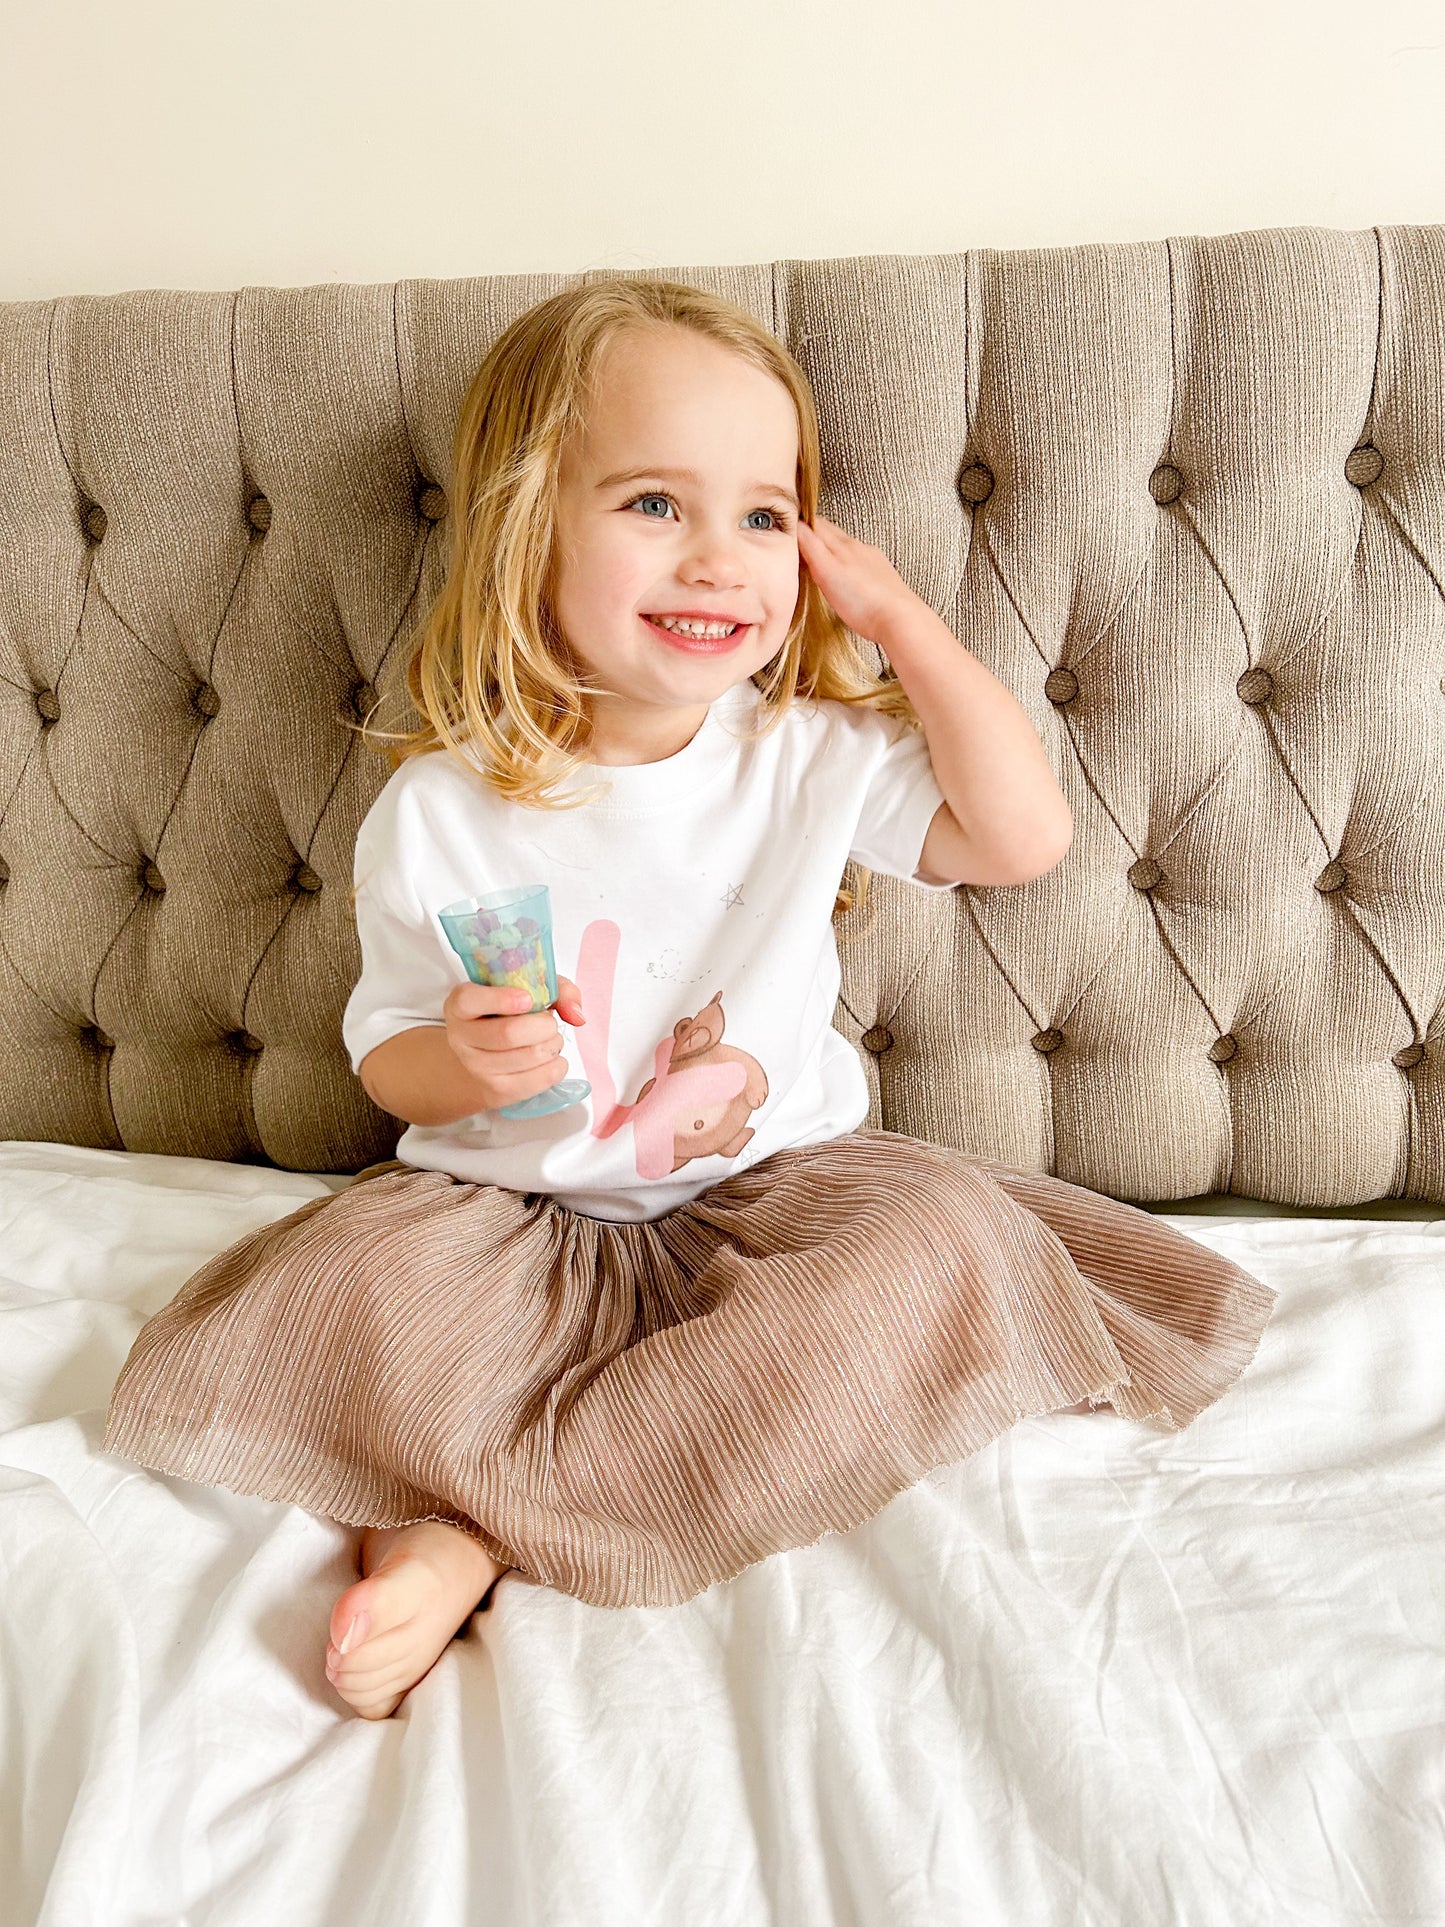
(692, 906)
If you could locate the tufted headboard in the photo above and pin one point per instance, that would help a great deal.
(1186, 499)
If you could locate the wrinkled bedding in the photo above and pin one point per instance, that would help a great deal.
(1096, 1675)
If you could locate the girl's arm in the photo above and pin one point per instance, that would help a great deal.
(1008, 820)
(418, 1077)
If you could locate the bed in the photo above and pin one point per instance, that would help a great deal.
(1187, 499)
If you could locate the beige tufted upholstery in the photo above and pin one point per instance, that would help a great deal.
(1186, 499)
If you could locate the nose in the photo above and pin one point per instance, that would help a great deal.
(714, 558)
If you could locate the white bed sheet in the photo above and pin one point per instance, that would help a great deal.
(1093, 1676)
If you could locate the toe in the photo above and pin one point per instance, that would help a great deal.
(370, 1679)
(365, 1611)
(375, 1706)
(367, 1655)
(381, 1709)
(377, 1694)
(350, 1619)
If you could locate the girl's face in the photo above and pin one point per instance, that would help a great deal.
(635, 541)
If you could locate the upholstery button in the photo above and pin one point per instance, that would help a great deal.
(878, 1038)
(1223, 1048)
(98, 1037)
(1407, 1058)
(151, 877)
(1255, 686)
(245, 1043)
(258, 512)
(305, 878)
(4, 872)
(95, 522)
(1166, 484)
(1045, 1041)
(1363, 465)
(432, 502)
(1145, 873)
(205, 699)
(976, 483)
(48, 703)
(363, 700)
(1061, 686)
(1332, 877)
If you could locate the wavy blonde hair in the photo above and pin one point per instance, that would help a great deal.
(489, 664)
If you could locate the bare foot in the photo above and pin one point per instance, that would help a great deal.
(421, 1585)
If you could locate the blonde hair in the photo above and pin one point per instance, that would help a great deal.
(490, 664)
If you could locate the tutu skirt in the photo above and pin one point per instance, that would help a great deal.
(631, 1412)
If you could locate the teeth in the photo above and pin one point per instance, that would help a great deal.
(686, 628)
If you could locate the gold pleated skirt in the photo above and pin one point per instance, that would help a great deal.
(631, 1412)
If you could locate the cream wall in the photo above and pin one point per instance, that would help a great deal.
(186, 143)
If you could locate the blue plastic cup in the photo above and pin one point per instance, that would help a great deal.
(504, 937)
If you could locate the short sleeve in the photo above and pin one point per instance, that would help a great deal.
(407, 966)
(900, 798)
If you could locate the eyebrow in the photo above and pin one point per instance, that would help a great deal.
(691, 475)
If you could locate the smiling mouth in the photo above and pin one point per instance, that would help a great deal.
(699, 645)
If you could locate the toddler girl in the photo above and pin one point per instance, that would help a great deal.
(699, 1315)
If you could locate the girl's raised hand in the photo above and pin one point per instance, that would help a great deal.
(859, 581)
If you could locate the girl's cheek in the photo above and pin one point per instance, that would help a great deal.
(608, 575)
(626, 577)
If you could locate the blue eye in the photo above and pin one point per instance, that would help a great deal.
(780, 520)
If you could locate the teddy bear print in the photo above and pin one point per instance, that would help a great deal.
(703, 1130)
(701, 1093)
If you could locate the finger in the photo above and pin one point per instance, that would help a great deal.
(522, 1057)
(503, 1031)
(533, 1027)
(569, 1001)
(525, 1079)
(491, 1000)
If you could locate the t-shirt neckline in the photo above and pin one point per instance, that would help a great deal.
(641, 788)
